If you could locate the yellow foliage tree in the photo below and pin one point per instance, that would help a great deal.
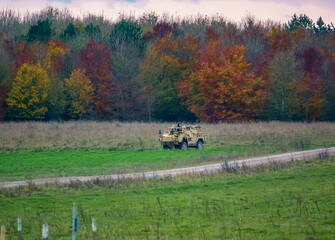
(53, 63)
(27, 98)
(80, 89)
(54, 54)
(306, 102)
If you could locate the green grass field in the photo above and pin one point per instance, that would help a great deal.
(294, 200)
(31, 150)
(32, 165)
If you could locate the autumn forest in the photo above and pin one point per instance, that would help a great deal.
(54, 66)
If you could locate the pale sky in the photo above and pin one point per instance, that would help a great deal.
(235, 10)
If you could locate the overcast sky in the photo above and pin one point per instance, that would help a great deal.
(277, 10)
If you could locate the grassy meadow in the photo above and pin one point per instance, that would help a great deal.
(294, 200)
(110, 136)
(38, 149)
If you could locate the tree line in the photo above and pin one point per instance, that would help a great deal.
(161, 68)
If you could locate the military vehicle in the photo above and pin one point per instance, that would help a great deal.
(182, 137)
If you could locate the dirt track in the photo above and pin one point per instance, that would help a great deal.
(318, 153)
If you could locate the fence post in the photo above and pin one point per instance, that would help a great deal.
(75, 223)
(3, 232)
(94, 228)
(19, 228)
(45, 231)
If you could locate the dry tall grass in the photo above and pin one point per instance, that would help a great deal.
(91, 135)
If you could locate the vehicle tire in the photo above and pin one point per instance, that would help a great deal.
(184, 146)
(165, 147)
(200, 145)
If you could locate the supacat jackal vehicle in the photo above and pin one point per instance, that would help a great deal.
(182, 137)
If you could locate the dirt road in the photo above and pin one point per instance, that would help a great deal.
(318, 153)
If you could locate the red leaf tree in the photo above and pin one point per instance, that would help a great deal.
(3, 93)
(96, 60)
(22, 52)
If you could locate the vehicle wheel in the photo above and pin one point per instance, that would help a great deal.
(200, 145)
(165, 146)
(184, 146)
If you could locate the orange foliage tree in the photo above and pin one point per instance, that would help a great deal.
(279, 40)
(306, 99)
(189, 53)
(221, 86)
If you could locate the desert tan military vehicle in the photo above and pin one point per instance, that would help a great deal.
(182, 137)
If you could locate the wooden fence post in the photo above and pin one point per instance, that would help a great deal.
(3, 232)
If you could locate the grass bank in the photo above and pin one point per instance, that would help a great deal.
(33, 165)
(295, 200)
